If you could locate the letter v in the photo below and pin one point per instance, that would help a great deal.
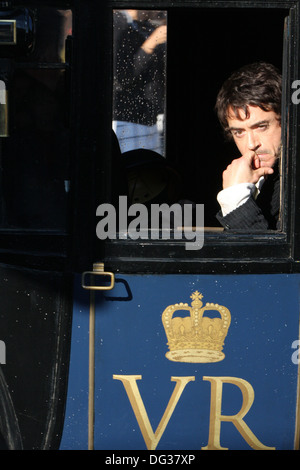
(130, 385)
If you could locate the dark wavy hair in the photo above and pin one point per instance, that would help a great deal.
(257, 84)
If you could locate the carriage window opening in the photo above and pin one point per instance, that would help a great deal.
(200, 60)
(197, 150)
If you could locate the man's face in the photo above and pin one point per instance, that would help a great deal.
(260, 132)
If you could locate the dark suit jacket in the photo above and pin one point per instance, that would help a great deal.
(261, 213)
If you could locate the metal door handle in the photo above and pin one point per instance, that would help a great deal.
(98, 270)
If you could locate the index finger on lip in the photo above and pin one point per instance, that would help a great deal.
(256, 161)
(251, 157)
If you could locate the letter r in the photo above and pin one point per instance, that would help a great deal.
(216, 417)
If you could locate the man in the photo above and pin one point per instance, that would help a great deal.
(249, 109)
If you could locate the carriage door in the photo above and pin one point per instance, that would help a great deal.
(35, 285)
(182, 336)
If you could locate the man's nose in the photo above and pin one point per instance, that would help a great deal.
(253, 141)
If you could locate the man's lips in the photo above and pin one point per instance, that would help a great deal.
(265, 159)
(263, 156)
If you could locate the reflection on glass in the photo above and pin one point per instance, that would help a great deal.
(52, 28)
(34, 160)
(140, 38)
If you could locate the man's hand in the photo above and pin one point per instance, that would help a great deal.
(246, 169)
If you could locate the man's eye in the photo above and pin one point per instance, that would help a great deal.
(237, 133)
(263, 127)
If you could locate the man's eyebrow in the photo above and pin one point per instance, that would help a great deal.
(260, 123)
(253, 126)
(232, 128)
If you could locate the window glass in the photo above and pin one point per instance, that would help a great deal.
(204, 49)
(139, 91)
(34, 177)
(52, 26)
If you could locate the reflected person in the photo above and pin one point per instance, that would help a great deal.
(139, 78)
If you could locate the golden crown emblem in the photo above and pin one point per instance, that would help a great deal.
(195, 337)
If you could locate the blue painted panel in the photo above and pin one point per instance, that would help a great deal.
(75, 435)
(131, 340)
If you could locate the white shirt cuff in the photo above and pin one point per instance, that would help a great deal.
(233, 197)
